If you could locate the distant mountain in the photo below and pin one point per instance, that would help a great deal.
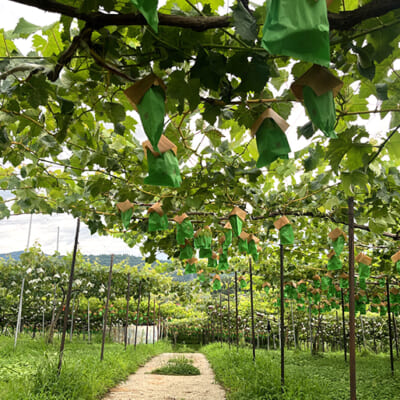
(103, 259)
(15, 255)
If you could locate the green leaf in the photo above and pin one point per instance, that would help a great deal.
(245, 24)
(24, 29)
(115, 111)
(393, 146)
(209, 68)
(306, 130)
(256, 76)
(382, 91)
(4, 140)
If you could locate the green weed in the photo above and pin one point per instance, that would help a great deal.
(177, 366)
(306, 377)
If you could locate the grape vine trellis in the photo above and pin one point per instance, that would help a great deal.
(67, 133)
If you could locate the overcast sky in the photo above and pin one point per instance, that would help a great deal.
(14, 231)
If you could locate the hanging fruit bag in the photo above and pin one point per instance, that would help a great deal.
(298, 29)
(163, 166)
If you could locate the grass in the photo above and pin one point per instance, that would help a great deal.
(177, 366)
(307, 377)
(30, 372)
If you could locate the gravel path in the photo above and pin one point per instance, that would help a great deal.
(144, 386)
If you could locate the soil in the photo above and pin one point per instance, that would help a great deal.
(145, 386)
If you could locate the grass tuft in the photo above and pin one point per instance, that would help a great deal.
(177, 366)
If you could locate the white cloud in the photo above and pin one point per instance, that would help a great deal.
(14, 236)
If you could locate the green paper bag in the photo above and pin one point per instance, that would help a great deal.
(203, 239)
(383, 311)
(217, 284)
(157, 222)
(362, 283)
(298, 29)
(163, 170)
(228, 238)
(236, 223)
(223, 262)
(186, 253)
(317, 298)
(338, 245)
(212, 262)
(148, 8)
(344, 283)
(243, 246)
(398, 267)
(252, 248)
(373, 309)
(266, 289)
(301, 308)
(322, 111)
(126, 217)
(334, 263)
(271, 143)
(184, 231)
(364, 270)
(243, 283)
(205, 253)
(152, 111)
(190, 269)
(316, 283)
(286, 235)
(326, 282)
(302, 287)
(202, 277)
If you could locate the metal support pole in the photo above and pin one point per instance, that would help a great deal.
(253, 340)
(237, 312)
(293, 325)
(68, 300)
(395, 334)
(352, 325)
(72, 319)
(390, 325)
(282, 322)
(229, 319)
(88, 319)
(18, 328)
(103, 340)
(154, 320)
(138, 312)
(128, 295)
(220, 318)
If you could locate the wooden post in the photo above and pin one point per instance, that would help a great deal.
(68, 300)
(352, 325)
(282, 322)
(237, 312)
(159, 324)
(147, 318)
(344, 327)
(362, 330)
(138, 312)
(253, 340)
(106, 309)
(390, 325)
(128, 295)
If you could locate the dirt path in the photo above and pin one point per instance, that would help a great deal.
(144, 386)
